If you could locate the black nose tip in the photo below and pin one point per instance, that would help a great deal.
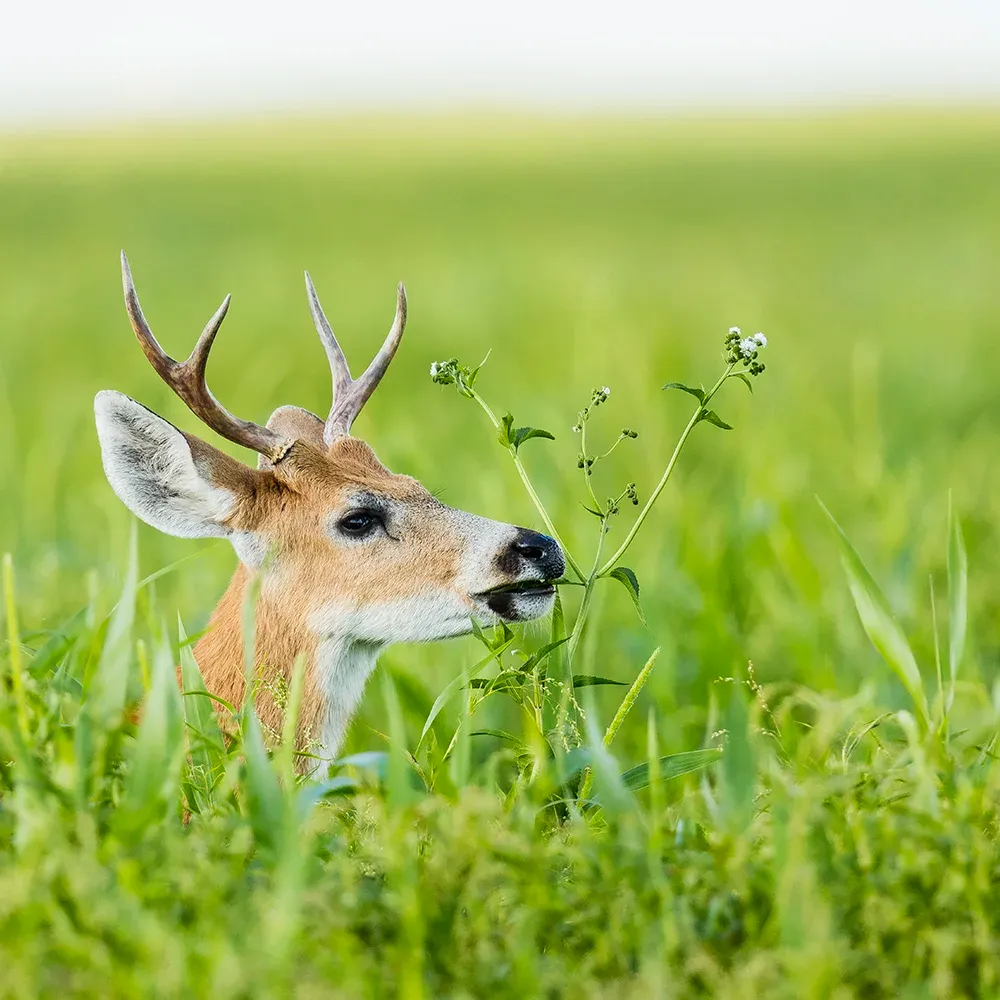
(539, 552)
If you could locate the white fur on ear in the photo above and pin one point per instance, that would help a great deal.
(149, 465)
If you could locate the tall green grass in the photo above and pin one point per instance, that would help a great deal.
(825, 821)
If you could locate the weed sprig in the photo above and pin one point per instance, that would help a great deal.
(737, 352)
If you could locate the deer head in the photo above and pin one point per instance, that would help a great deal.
(351, 556)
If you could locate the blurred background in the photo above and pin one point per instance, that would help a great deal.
(595, 194)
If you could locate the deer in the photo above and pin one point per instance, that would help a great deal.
(347, 557)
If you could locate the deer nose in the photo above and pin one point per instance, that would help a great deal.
(538, 551)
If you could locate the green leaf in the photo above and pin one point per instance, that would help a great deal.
(109, 683)
(713, 418)
(610, 791)
(590, 680)
(456, 685)
(505, 431)
(265, 801)
(878, 621)
(470, 379)
(205, 743)
(153, 775)
(958, 590)
(630, 582)
(744, 378)
(522, 434)
(398, 790)
(590, 510)
(543, 654)
(698, 394)
(739, 763)
(501, 734)
(671, 766)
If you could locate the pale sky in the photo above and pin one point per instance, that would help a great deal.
(105, 59)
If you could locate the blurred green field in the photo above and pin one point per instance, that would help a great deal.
(580, 253)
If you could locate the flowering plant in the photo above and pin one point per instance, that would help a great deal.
(544, 684)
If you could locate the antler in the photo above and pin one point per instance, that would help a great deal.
(187, 378)
(349, 394)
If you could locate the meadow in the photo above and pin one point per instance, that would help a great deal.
(842, 839)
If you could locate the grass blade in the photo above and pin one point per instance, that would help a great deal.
(109, 684)
(14, 647)
(878, 622)
(205, 743)
(958, 596)
(154, 768)
(671, 766)
(456, 685)
(739, 763)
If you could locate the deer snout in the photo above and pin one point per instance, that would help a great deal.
(533, 554)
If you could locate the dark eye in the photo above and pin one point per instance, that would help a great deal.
(359, 523)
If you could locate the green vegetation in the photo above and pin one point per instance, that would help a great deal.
(825, 822)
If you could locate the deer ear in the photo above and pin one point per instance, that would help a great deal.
(170, 480)
(296, 423)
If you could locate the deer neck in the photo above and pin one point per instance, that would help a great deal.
(337, 666)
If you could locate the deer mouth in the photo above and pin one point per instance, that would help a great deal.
(522, 588)
(520, 601)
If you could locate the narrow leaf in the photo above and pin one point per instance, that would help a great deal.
(610, 791)
(713, 418)
(958, 588)
(542, 655)
(456, 685)
(501, 734)
(397, 784)
(590, 680)
(671, 766)
(265, 800)
(739, 763)
(153, 775)
(109, 683)
(744, 378)
(630, 582)
(698, 394)
(205, 743)
(878, 621)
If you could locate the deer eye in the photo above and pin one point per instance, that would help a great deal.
(359, 523)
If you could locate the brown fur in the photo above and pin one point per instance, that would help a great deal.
(291, 504)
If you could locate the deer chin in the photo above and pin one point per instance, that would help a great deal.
(518, 602)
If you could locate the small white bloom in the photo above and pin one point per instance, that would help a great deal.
(606, 391)
(736, 330)
(761, 339)
(748, 346)
(576, 428)
(434, 369)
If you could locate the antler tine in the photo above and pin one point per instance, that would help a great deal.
(187, 378)
(349, 394)
(368, 382)
(339, 368)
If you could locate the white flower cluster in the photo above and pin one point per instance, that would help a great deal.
(748, 345)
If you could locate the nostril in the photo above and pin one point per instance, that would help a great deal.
(533, 553)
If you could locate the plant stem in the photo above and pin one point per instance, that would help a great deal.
(535, 498)
(695, 417)
(588, 593)
(588, 477)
